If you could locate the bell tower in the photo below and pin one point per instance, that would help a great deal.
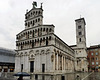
(81, 53)
(80, 33)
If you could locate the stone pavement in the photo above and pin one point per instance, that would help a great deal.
(84, 76)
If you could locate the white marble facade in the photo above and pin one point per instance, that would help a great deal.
(39, 49)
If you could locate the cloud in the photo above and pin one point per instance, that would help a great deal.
(61, 13)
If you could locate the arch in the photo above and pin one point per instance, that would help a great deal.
(46, 41)
(37, 40)
(25, 53)
(37, 51)
(27, 42)
(33, 22)
(49, 37)
(55, 50)
(32, 43)
(38, 19)
(50, 30)
(43, 29)
(39, 12)
(16, 44)
(29, 15)
(21, 54)
(40, 41)
(48, 51)
(42, 51)
(17, 37)
(46, 29)
(26, 24)
(35, 30)
(33, 12)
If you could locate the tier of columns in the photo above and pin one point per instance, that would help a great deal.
(61, 62)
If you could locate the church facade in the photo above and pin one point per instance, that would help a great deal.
(39, 49)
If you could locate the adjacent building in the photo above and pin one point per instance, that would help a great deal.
(7, 60)
(39, 49)
(93, 57)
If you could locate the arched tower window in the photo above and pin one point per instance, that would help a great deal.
(32, 43)
(46, 41)
(79, 39)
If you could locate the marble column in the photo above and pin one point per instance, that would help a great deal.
(54, 61)
(62, 62)
(57, 61)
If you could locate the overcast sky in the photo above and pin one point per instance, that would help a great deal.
(61, 13)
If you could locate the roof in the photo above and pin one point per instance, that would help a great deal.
(73, 45)
(93, 47)
(7, 51)
(81, 19)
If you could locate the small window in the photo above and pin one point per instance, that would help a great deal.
(96, 63)
(79, 27)
(92, 63)
(80, 33)
(92, 54)
(96, 53)
(96, 58)
(80, 39)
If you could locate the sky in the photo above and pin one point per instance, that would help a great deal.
(61, 13)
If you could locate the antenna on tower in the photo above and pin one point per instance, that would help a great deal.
(80, 16)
